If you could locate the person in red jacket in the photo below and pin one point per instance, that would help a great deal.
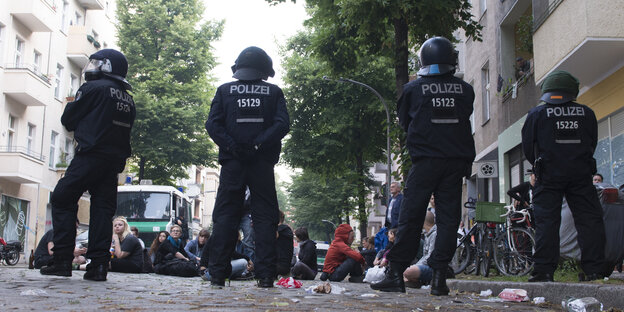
(341, 260)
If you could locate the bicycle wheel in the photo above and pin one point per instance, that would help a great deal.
(462, 256)
(514, 256)
(479, 237)
(12, 257)
(486, 249)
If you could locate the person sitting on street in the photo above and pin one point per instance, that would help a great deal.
(341, 260)
(171, 259)
(305, 268)
(380, 259)
(135, 231)
(242, 266)
(162, 236)
(44, 254)
(194, 248)
(284, 247)
(127, 250)
(368, 251)
(420, 273)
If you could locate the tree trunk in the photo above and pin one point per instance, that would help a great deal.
(362, 214)
(401, 54)
(141, 168)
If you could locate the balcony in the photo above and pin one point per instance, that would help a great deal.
(591, 50)
(20, 165)
(79, 48)
(26, 85)
(91, 4)
(36, 15)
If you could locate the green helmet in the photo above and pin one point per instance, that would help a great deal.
(559, 87)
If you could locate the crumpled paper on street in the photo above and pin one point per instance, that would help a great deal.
(514, 294)
(325, 288)
(289, 283)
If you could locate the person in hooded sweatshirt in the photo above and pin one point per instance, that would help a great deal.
(284, 247)
(341, 260)
(305, 268)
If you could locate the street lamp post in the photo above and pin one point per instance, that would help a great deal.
(389, 159)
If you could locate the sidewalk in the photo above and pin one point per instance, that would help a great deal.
(610, 295)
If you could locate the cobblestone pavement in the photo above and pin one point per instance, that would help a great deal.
(24, 289)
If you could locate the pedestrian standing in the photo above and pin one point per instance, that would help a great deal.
(435, 112)
(248, 119)
(559, 139)
(101, 117)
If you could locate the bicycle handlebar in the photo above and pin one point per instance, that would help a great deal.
(511, 209)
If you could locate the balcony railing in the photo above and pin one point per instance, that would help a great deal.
(31, 68)
(22, 150)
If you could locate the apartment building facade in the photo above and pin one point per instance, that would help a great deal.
(44, 44)
(523, 41)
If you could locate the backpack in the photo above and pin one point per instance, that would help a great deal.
(381, 239)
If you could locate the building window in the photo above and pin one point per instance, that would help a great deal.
(2, 31)
(37, 62)
(19, 52)
(52, 159)
(11, 131)
(30, 139)
(485, 92)
(73, 84)
(482, 6)
(472, 116)
(78, 19)
(609, 152)
(69, 150)
(57, 78)
(64, 16)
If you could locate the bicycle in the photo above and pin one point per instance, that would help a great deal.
(514, 250)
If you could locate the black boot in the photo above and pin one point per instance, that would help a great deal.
(96, 272)
(265, 282)
(392, 282)
(537, 277)
(58, 267)
(438, 283)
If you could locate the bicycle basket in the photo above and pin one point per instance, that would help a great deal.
(490, 212)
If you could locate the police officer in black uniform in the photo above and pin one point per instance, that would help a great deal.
(559, 138)
(247, 120)
(101, 117)
(434, 110)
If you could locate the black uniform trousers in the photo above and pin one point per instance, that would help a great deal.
(235, 175)
(587, 213)
(98, 175)
(443, 178)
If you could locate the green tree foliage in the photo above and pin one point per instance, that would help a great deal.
(387, 27)
(337, 129)
(315, 198)
(169, 51)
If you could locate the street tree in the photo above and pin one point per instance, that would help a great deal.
(315, 198)
(337, 129)
(169, 50)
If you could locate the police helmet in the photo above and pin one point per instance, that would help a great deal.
(107, 62)
(559, 87)
(437, 57)
(253, 64)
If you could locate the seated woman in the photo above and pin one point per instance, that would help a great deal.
(162, 236)
(305, 268)
(171, 259)
(380, 259)
(194, 248)
(368, 250)
(127, 250)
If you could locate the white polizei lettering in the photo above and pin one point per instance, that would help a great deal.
(249, 89)
(442, 88)
(116, 93)
(563, 111)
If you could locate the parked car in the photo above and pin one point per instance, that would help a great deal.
(321, 252)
